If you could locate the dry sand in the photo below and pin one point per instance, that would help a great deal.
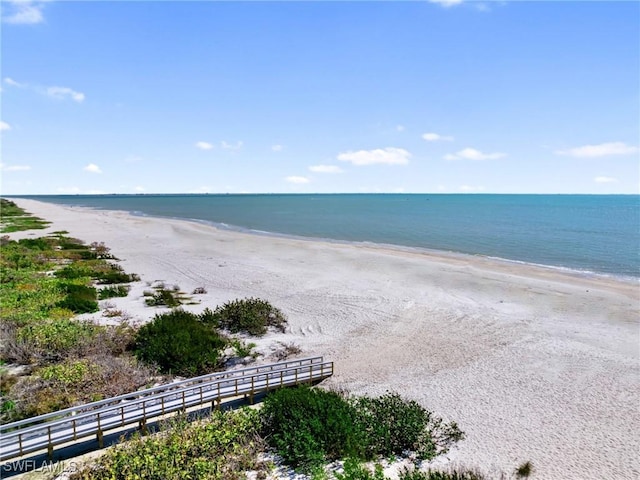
(533, 363)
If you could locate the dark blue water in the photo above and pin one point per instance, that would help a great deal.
(590, 233)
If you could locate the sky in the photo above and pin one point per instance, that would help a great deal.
(447, 96)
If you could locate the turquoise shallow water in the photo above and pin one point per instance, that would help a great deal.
(588, 233)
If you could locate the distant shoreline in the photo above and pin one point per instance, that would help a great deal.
(402, 240)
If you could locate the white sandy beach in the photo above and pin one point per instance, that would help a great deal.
(533, 363)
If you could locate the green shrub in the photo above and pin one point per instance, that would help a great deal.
(112, 292)
(53, 339)
(354, 470)
(394, 425)
(163, 298)
(249, 315)
(308, 426)
(524, 470)
(178, 343)
(220, 447)
(79, 298)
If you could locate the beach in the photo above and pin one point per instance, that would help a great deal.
(534, 364)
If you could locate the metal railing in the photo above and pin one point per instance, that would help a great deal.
(72, 424)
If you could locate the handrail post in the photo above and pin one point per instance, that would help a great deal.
(49, 446)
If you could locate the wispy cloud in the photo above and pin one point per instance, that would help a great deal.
(605, 179)
(400, 128)
(277, 148)
(14, 168)
(204, 145)
(139, 189)
(92, 168)
(58, 93)
(230, 146)
(446, 3)
(13, 83)
(22, 12)
(326, 169)
(63, 93)
(297, 180)
(4, 126)
(379, 156)
(436, 137)
(473, 154)
(600, 150)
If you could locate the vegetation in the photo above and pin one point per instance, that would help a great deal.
(453, 474)
(309, 427)
(14, 218)
(250, 315)
(177, 342)
(114, 291)
(220, 447)
(524, 470)
(44, 282)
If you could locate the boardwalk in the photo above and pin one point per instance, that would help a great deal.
(45, 432)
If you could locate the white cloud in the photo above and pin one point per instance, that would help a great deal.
(277, 148)
(387, 156)
(400, 128)
(204, 145)
(62, 93)
(471, 188)
(473, 154)
(93, 168)
(326, 169)
(139, 189)
(446, 3)
(297, 180)
(605, 179)
(13, 83)
(4, 126)
(230, 146)
(435, 137)
(15, 168)
(600, 150)
(203, 189)
(23, 12)
(59, 93)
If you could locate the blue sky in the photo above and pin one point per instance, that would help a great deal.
(448, 96)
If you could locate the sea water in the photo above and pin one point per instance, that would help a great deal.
(587, 233)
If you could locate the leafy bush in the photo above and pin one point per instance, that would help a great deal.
(79, 298)
(308, 426)
(249, 315)
(219, 448)
(354, 470)
(47, 341)
(394, 425)
(115, 291)
(163, 298)
(73, 382)
(178, 343)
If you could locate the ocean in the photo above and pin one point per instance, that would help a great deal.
(591, 234)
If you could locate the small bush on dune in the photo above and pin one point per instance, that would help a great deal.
(79, 298)
(178, 343)
(112, 292)
(249, 315)
(308, 426)
(452, 474)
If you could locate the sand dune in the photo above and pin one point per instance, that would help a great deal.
(533, 363)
